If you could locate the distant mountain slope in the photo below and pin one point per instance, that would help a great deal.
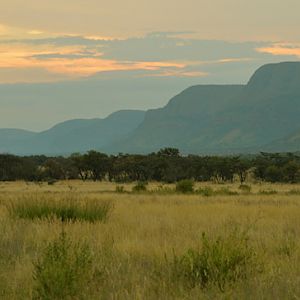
(290, 143)
(73, 136)
(186, 120)
(225, 119)
(204, 119)
(11, 138)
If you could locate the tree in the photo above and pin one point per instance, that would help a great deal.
(241, 167)
(80, 164)
(97, 163)
(169, 152)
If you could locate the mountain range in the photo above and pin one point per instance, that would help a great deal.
(262, 115)
(78, 135)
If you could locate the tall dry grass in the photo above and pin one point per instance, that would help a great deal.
(131, 252)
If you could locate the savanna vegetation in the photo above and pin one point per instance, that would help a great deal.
(167, 165)
(189, 240)
(159, 226)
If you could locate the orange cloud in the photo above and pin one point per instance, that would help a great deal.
(89, 66)
(25, 56)
(281, 49)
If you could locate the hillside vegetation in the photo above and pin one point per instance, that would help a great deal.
(226, 119)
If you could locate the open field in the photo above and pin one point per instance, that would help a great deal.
(138, 251)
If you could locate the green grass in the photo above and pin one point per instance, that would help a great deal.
(63, 271)
(151, 247)
(141, 186)
(220, 262)
(66, 210)
(185, 186)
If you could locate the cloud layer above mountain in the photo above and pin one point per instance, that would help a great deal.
(88, 58)
(55, 58)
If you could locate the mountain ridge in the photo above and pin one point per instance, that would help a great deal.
(77, 135)
(202, 119)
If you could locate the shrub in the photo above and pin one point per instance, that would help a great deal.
(141, 186)
(120, 189)
(268, 192)
(294, 192)
(226, 191)
(219, 262)
(64, 270)
(185, 186)
(206, 191)
(245, 188)
(51, 181)
(68, 210)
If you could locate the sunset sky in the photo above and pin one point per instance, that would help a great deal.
(185, 42)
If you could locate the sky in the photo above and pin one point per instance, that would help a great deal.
(86, 58)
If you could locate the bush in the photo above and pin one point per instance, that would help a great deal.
(219, 262)
(68, 210)
(268, 192)
(64, 270)
(141, 186)
(226, 191)
(185, 186)
(51, 181)
(245, 188)
(120, 189)
(206, 191)
(294, 192)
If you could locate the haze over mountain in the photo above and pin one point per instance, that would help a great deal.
(71, 136)
(205, 119)
(225, 119)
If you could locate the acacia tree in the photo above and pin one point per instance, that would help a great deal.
(97, 163)
(80, 164)
(241, 168)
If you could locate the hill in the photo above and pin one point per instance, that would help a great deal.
(225, 119)
(72, 136)
(204, 119)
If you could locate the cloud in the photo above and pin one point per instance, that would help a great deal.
(72, 61)
(173, 54)
(282, 49)
(35, 32)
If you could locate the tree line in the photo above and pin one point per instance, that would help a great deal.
(166, 165)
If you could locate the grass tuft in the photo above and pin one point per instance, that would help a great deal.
(185, 186)
(245, 188)
(64, 270)
(66, 210)
(219, 262)
(141, 186)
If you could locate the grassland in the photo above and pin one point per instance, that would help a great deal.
(133, 254)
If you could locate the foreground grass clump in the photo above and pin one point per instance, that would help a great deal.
(66, 210)
(63, 271)
(185, 186)
(219, 262)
